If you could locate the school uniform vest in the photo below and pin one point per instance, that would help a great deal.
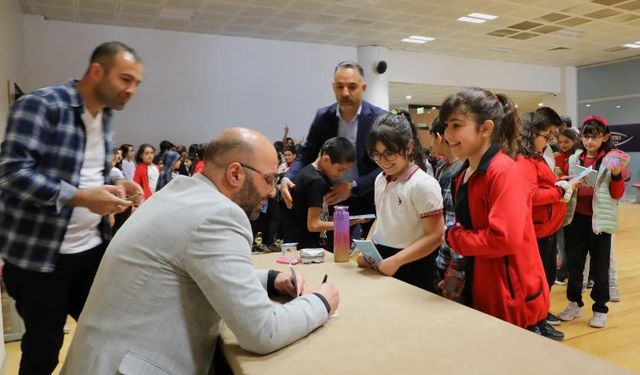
(605, 211)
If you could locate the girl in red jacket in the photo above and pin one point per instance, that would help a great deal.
(147, 173)
(547, 198)
(504, 275)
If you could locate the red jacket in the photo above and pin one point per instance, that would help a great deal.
(562, 161)
(548, 212)
(508, 280)
(141, 177)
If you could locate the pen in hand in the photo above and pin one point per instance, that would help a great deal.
(324, 279)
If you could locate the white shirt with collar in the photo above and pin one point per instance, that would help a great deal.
(402, 203)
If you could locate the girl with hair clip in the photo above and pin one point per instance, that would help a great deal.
(593, 218)
(548, 199)
(409, 222)
(504, 276)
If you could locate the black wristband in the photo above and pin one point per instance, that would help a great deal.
(324, 300)
(271, 282)
(562, 191)
(617, 177)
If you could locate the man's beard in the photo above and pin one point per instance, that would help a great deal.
(249, 199)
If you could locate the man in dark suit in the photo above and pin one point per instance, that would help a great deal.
(350, 117)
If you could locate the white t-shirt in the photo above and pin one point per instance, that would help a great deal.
(402, 203)
(153, 173)
(82, 232)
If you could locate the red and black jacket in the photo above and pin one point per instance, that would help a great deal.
(505, 274)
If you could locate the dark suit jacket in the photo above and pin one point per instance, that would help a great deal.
(325, 126)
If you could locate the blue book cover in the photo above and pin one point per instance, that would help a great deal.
(369, 252)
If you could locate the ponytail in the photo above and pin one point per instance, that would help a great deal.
(483, 105)
(508, 130)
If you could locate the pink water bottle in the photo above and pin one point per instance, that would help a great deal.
(341, 233)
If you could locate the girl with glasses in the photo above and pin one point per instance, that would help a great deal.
(409, 222)
(548, 197)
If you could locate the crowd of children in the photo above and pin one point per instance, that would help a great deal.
(491, 219)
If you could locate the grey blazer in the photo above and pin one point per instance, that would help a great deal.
(180, 265)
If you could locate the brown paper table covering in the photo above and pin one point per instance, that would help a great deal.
(384, 326)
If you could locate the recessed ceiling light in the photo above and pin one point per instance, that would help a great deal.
(420, 37)
(408, 96)
(471, 20)
(618, 106)
(540, 104)
(416, 41)
(588, 105)
(483, 16)
(516, 106)
(631, 45)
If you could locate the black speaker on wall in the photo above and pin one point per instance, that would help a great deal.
(381, 67)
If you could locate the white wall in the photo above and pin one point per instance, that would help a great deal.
(194, 84)
(12, 50)
(430, 69)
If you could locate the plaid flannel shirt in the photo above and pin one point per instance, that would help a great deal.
(40, 159)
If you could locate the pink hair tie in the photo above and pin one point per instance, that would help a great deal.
(600, 119)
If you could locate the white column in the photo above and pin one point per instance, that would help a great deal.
(570, 88)
(377, 84)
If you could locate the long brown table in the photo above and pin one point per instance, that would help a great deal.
(384, 326)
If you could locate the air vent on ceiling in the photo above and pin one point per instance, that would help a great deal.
(574, 21)
(524, 36)
(176, 13)
(546, 29)
(525, 25)
(502, 32)
(558, 49)
(553, 17)
(603, 13)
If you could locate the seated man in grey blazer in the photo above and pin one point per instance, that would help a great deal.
(182, 263)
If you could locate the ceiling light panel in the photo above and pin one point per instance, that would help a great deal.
(483, 16)
(471, 20)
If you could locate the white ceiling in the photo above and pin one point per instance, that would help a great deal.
(548, 32)
(602, 26)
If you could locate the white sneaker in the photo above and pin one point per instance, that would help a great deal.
(571, 312)
(614, 294)
(599, 320)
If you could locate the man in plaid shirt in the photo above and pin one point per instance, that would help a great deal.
(54, 196)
